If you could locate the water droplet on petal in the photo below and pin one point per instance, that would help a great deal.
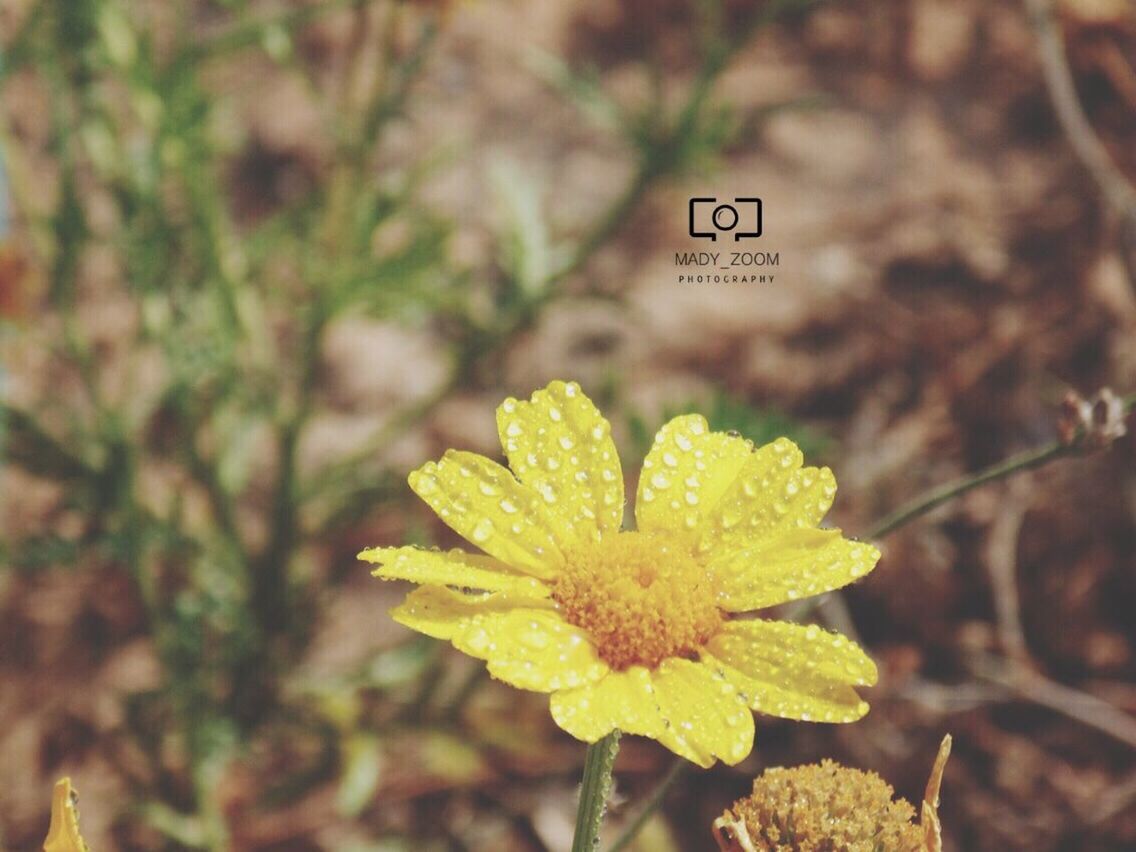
(482, 530)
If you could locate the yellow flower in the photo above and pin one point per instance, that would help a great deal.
(638, 630)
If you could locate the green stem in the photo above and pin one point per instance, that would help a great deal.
(594, 791)
(650, 806)
(938, 496)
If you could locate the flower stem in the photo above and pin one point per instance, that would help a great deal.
(937, 496)
(594, 791)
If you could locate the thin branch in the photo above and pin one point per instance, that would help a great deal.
(1086, 144)
(1080, 706)
(1001, 563)
(938, 496)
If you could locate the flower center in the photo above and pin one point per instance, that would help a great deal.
(641, 596)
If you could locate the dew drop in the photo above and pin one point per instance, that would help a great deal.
(508, 506)
(684, 443)
(659, 480)
(482, 531)
(555, 414)
(566, 442)
(669, 460)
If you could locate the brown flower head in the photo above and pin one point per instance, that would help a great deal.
(828, 807)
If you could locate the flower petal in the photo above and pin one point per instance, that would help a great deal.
(771, 494)
(532, 649)
(705, 712)
(797, 564)
(455, 568)
(686, 472)
(624, 700)
(483, 502)
(560, 446)
(442, 613)
(792, 670)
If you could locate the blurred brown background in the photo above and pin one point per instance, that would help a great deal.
(948, 269)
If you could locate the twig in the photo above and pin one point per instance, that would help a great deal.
(1077, 705)
(1001, 562)
(1077, 442)
(1115, 800)
(938, 496)
(1086, 144)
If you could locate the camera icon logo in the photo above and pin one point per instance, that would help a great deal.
(743, 217)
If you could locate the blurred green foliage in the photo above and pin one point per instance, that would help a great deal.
(231, 312)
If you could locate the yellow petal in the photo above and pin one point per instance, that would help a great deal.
(455, 568)
(796, 564)
(793, 670)
(560, 446)
(442, 612)
(485, 504)
(624, 700)
(685, 473)
(63, 833)
(771, 494)
(532, 649)
(705, 712)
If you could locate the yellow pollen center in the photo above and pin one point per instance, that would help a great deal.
(641, 596)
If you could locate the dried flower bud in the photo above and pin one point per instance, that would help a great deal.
(1092, 423)
(830, 807)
